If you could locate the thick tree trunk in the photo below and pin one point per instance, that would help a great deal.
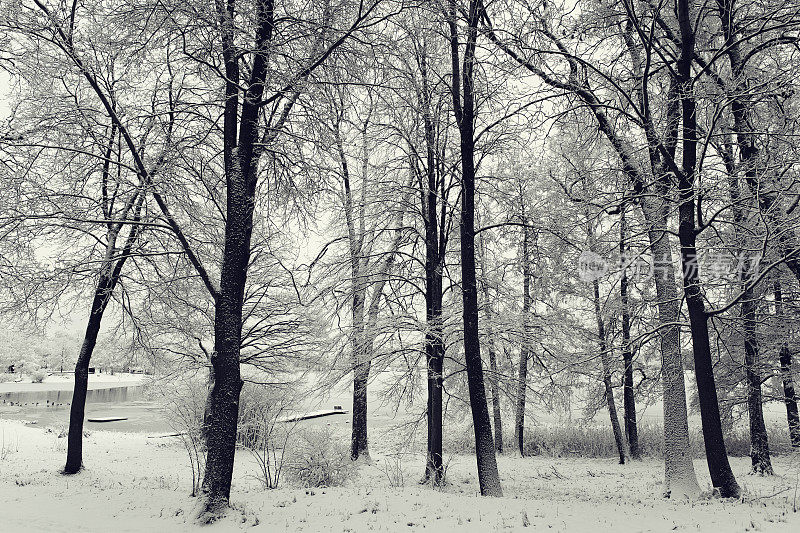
(524, 352)
(628, 398)
(680, 479)
(759, 448)
(722, 477)
(785, 356)
(605, 359)
(359, 448)
(223, 400)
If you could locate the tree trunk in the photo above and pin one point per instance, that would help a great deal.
(76, 414)
(759, 448)
(524, 352)
(606, 363)
(223, 399)
(488, 475)
(358, 446)
(680, 479)
(789, 397)
(434, 250)
(494, 385)
(109, 277)
(628, 398)
(722, 477)
(495, 388)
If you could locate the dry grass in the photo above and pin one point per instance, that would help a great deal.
(598, 441)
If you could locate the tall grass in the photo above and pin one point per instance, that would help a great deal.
(598, 441)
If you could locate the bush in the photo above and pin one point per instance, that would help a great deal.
(184, 400)
(260, 432)
(320, 460)
(37, 376)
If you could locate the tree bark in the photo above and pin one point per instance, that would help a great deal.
(628, 397)
(223, 399)
(607, 383)
(759, 448)
(464, 108)
(76, 414)
(495, 389)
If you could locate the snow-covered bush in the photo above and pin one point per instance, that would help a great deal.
(319, 459)
(37, 376)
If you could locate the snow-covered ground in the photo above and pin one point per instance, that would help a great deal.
(66, 381)
(136, 483)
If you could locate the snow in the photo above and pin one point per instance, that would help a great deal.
(66, 382)
(133, 483)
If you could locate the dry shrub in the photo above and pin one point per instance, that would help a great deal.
(319, 459)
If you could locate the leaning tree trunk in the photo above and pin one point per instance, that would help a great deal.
(488, 475)
(628, 398)
(524, 352)
(785, 355)
(76, 414)
(607, 384)
(722, 477)
(109, 277)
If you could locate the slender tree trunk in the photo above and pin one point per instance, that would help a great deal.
(495, 388)
(680, 479)
(785, 355)
(759, 448)
(109, 277)
(494, 385)
(434, 341)
(524, 352)
(722, 477)
(606, 362)
(488, 475)
(628, 398)
(76, 414)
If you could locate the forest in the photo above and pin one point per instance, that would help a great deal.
(469, 254)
